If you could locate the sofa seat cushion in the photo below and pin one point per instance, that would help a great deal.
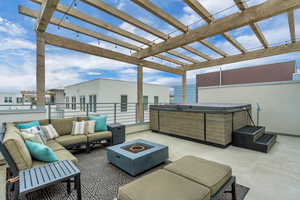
(99, 135)
(54, 145)
(15, 145)
(66, 140)
(63, 126)
(208, 173)
(162, 185)
(61, 155)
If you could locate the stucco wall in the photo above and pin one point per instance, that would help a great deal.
(279, 102)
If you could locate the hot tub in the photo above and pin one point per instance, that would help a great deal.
(210, 123)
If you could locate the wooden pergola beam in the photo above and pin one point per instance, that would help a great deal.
(31, 13)
(198, 8)
(291, 19)
(242, 5)
(212, 47)
(125, 17)
(47, 9)
(147, 5)
(271, 51)
(253, 14)
(66, 43)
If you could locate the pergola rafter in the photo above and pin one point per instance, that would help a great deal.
(237, 20)
(198, 8)
(248, 16)
(242, 5)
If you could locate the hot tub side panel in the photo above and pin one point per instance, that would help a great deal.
(219, 128)
(186, 124)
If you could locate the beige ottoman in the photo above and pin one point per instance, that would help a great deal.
(210, 174)
(163, 185)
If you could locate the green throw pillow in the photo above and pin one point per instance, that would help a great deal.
(41, 152)
(100, 123)
(28, 125)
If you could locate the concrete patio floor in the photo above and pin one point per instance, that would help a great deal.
(272, 176)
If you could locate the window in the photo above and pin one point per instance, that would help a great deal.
(145, 100)
(93, 103)
(123, 103)
(156, 100)
(82, 103)
(67, 103)
(73, 103)
(19, 100)
(7, 99)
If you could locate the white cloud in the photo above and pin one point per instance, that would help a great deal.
(15, 44)
(94, 73)
(10, 28)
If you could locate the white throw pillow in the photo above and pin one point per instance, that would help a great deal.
(33, 137)
(34, 131)
(50, 132)
(78, 128)
(90, 126)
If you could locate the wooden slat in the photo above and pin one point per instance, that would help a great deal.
(97, 51)
(147, 5)
(174, 53)
(212, 47)
(242, 5)
(198, 8)
(47, 10)
(253, 14)
(271, 51)
(196, 52)
(291, 19)
(31, 13)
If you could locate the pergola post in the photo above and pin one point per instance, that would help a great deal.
(140, 105)
(183, 88)
(40, 70)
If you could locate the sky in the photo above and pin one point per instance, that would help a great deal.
(65, 67)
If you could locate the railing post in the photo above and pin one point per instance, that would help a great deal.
(49, 111)
(87, 109)
(115, 112)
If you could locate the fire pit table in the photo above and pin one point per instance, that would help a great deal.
(137, 156)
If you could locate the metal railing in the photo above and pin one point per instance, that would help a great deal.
(115, 112)
(16, 106)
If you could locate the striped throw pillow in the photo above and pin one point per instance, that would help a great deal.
(50, 132)
(78, 128)
(90, 126)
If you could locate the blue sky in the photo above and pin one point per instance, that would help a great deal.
(64, 67)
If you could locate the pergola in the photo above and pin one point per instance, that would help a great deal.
(246, 16)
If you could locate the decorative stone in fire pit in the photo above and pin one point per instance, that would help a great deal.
(137, 156)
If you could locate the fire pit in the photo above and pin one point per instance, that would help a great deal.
(136, 148)
(137, 156)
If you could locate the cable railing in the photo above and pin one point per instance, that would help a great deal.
(115, 112)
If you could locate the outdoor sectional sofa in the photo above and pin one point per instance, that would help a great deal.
(15, 145)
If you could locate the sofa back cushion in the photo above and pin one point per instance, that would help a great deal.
(82, 119)
(15, 145)
(63, 126)
(42, 122)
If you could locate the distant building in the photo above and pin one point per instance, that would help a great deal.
(256, 74)
(296, 77)
(113, 91)
(56, 96)
(11, 98)
(190, 94)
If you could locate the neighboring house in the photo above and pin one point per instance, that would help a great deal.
(10, 98)
(276, 72)
(107, 92)
(190, 94)
(296, 77)
(56, 96)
